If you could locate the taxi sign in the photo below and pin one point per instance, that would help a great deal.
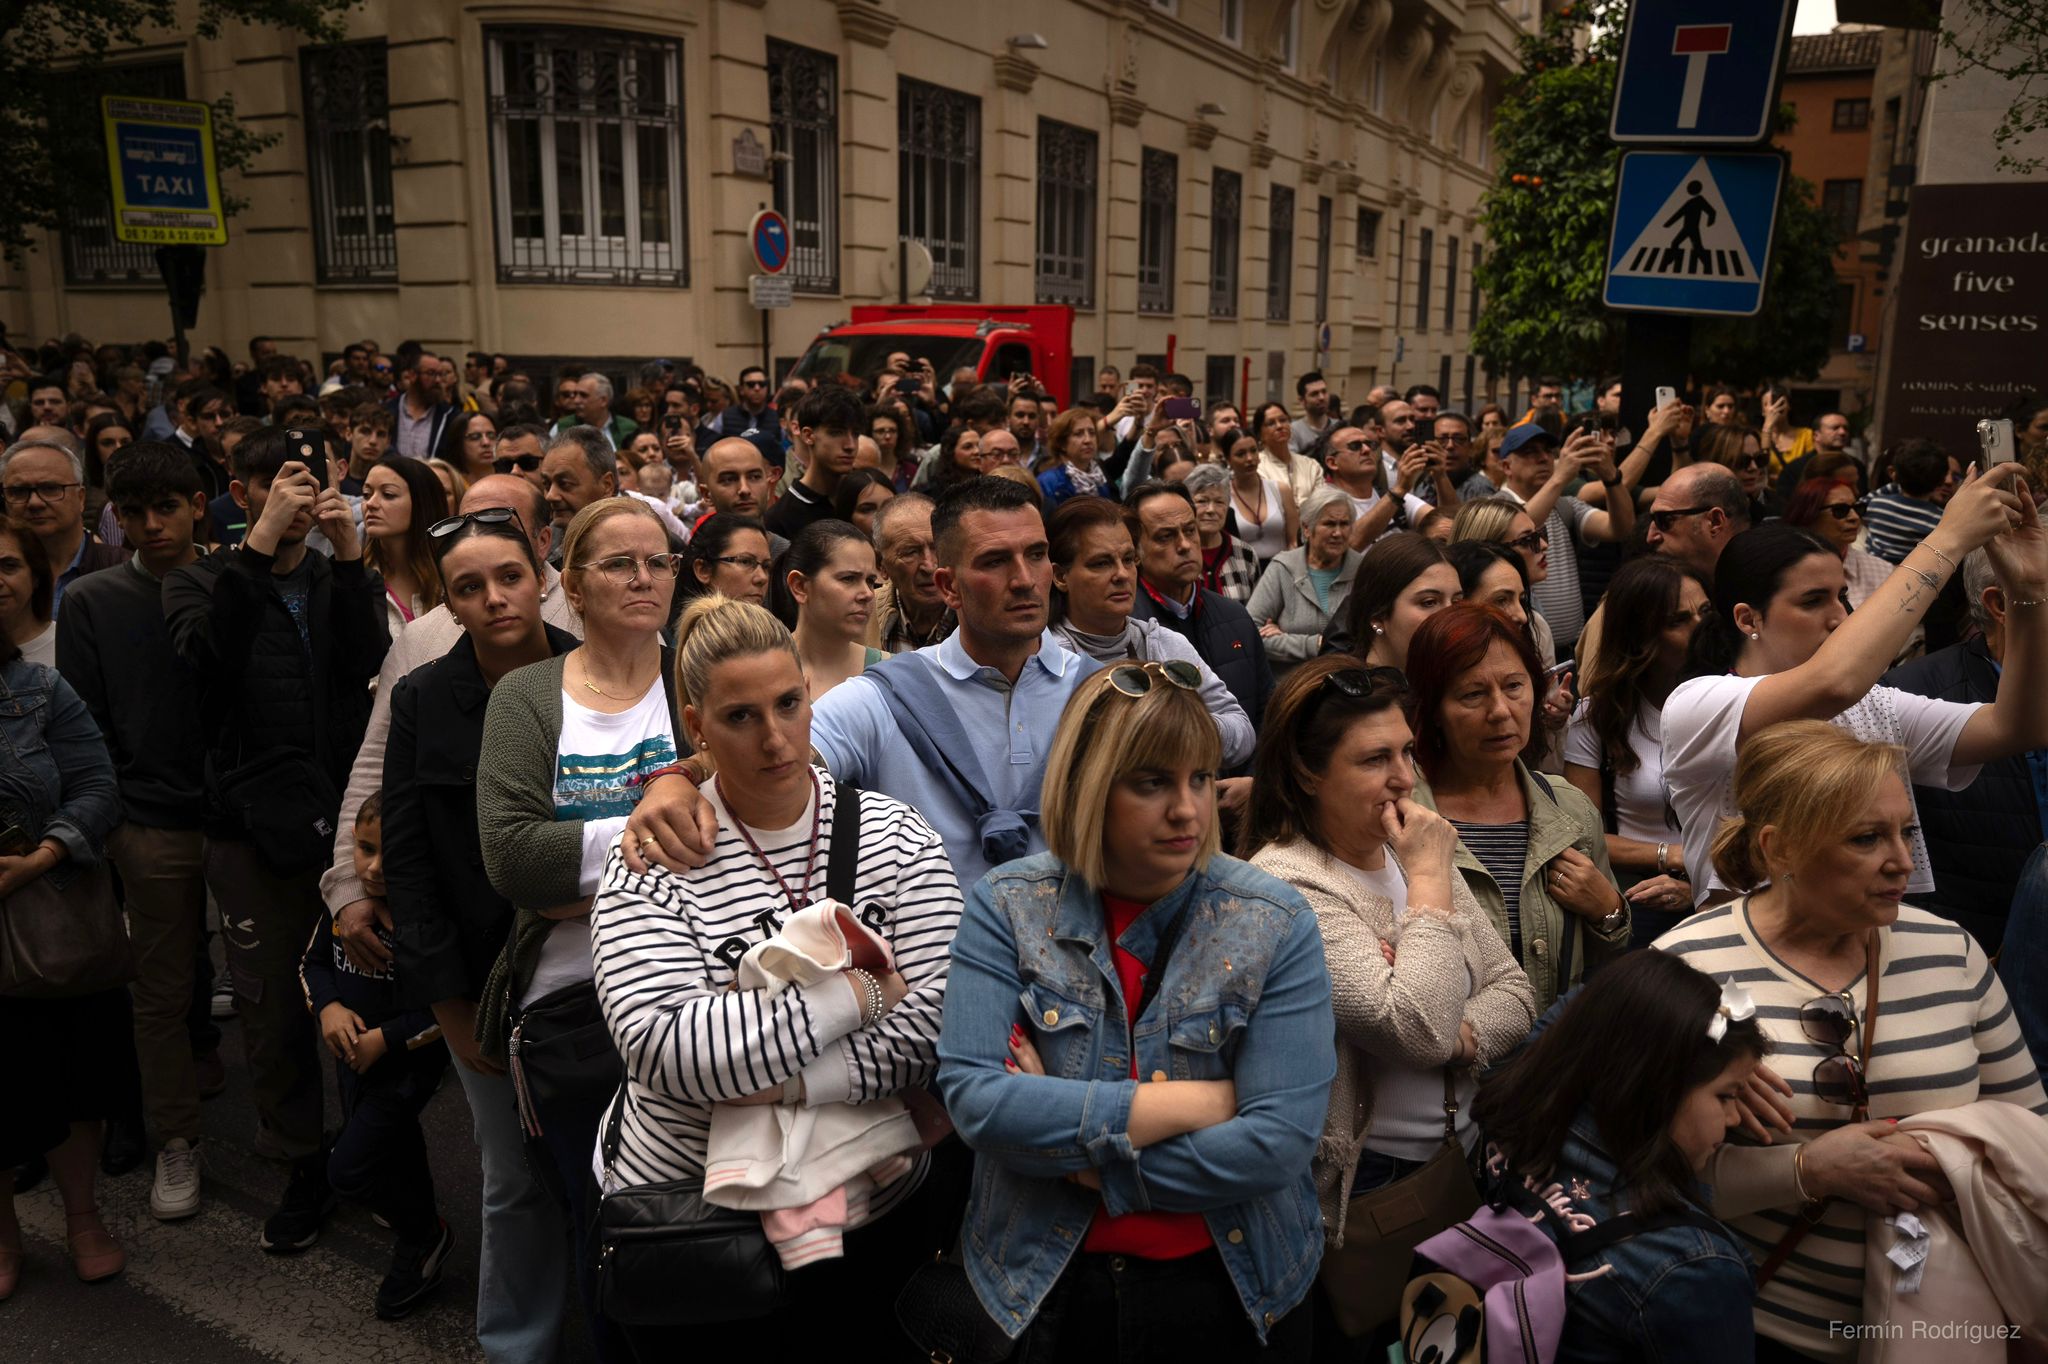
(160, 164)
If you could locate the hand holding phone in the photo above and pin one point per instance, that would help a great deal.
(1995, 439)
(1665, 397)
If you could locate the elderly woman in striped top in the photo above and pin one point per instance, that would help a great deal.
(1873, 1009)
(668, 947)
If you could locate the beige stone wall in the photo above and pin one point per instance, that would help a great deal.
(1134, 71)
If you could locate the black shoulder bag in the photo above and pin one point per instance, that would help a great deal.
(661, 1255)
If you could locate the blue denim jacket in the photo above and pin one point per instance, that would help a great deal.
(1673, 1294)
(1246, 997)
(56, 778)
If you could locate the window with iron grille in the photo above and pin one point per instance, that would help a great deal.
(1065, 272)
(1158, 205)
(91, 255)
(1842, 202)
(1322, 258)
(348, 161)
(1425, 245)
(1472, 294)
(803, 122)
(1226, 213)
(1451, 285)
(587, 156)
(1368, 233)
(1279, 254)
(939, 173)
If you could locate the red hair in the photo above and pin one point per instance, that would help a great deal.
(1450, 642)
(1809, 502)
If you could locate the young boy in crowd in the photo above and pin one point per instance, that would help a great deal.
(388, 1061)
(369, 440)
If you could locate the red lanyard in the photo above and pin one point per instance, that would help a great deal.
(810, 858)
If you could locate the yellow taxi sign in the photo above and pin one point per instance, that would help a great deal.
(166, 187)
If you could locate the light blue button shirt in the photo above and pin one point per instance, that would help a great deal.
(854, 729)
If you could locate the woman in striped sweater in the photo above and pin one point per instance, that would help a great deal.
(1822, 848)
(667, 948)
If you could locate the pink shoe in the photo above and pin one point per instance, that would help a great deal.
(10, 1273)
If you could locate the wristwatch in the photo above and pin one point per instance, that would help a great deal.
(1613, 921)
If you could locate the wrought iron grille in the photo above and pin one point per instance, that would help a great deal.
(939, 182)
(803, 113)
(1158, 205)
(1065, 268)
(1279, 254)
(1226, 213)
(348, 159)
(91, 255)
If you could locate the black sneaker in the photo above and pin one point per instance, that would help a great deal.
(415, 1272)
(307, 1201)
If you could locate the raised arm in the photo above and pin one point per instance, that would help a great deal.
(2017, 720)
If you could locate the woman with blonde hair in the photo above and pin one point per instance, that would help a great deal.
(1502, 521)
(1821, 849)
(452, 481)
(1130, 949)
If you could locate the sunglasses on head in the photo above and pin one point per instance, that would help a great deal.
(1135, 679)
(525, 464)
(483, 516)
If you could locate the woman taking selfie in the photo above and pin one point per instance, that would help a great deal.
(1419, 981)
(572, 739)
(1095, 582)
(1629, 1131)
(668, 948)
(1614, 748)
(1881, 1011)
(448, 922)
(831, 577)
(401, 498)
(1149, 1202)
(1778, 646)
(1263, 516)
(1227, 567)
(1305, 589)
(1531, 849)
(729, 556)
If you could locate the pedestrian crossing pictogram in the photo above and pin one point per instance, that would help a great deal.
(1692, 234)
(1692, 231)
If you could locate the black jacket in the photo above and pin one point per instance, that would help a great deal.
(1224, 635)
(260, 687)
(449, 923)
(1978, 838)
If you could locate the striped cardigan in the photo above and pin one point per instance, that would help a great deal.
(1945, 1037)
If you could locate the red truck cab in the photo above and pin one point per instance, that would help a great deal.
(995, 342)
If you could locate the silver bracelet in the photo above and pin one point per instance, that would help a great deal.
(870, 996)
(1953, 567)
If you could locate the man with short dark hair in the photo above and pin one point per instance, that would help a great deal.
(1022, 416)
(1109, 382)
(418, 413)
(250, 400)
(115, 649)
(284, 642)
(48, 403)
(520, 450)
(1425, 402)
(1452, 433)
(1161, 517)
(1145, 376)
(754, 418)
(1316, 417)
(828, 419)
(1538, 474)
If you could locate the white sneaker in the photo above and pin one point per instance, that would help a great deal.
(175, 1193)
(223, 1004)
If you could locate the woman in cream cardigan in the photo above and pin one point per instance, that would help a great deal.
(1419, 979)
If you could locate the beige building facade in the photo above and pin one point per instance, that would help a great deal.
(1245, 188)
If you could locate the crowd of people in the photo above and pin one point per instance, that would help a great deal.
(1120, 881)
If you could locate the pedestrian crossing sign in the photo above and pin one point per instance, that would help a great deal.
(1692, 233)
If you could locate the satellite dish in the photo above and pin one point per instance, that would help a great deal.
(918, 261)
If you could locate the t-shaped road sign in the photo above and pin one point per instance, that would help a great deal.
(1700, 72)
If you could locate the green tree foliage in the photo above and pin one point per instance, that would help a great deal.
(54, 66)
(1547, 217)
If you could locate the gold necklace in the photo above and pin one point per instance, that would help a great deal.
(592, 686)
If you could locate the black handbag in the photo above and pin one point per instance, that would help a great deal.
(62, 935)
(940, 1313)
(561, 1052)
(287, 806)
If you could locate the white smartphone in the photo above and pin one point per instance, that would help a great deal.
(1994, 437)
(1666, 397)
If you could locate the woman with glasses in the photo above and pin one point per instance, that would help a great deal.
(1138, 1048)
(470, 443)
(1227, 567)
(1419, 981)
(1304, 589)
(448, 922)
(1531, 849)
(1614, 747)
(1263, 514)
(729, 555)
(401, 498)
(1821, 845)
(572, 740)
(830, 574)
(1831, 510)
(1737, 449)
(1502, 521)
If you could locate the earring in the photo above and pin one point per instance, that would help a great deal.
(1379, 630)
(1754, 635)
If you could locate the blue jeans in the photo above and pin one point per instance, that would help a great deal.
(2023, 956)
(522, 1281)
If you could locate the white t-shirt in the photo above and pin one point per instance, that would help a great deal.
(1408, 1101)
(1415, 507)
(1638, 797)
(599, 763)
(1702, 717)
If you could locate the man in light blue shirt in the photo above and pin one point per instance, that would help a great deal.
(959, 731)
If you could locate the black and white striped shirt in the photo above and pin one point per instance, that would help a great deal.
(666, 948)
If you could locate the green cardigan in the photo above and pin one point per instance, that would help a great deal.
(533, 859)
(1560, 817)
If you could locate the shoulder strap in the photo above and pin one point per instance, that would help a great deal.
(611, 1128)
(925, 718)
(844, 857)
(1622, 1226)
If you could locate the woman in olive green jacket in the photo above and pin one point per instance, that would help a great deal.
(1530, 846)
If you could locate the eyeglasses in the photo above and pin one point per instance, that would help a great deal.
(18, 494)
(1135, 679)
(1534, 541)
(1749, 461)
(1665, 520)
(1842, 511)
(746, 563)
(482, 516)
(753, 383)
(1830, 1020)
(525, 464)
(621, 569)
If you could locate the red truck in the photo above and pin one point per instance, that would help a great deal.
(995, 342)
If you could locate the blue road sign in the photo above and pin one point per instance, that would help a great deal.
(769, 237)
(1692, 231)
(1700, 72)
